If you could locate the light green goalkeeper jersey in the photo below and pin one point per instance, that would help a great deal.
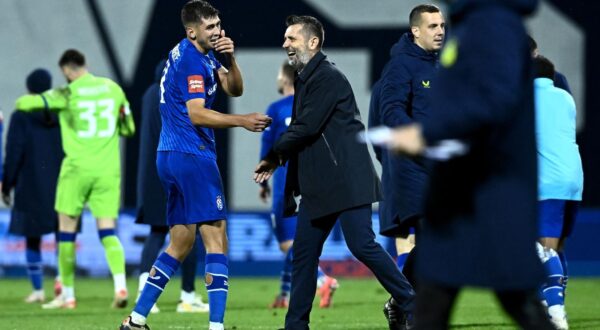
(93, 112)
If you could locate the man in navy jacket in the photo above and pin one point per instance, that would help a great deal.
(404, 93)
(479, 201)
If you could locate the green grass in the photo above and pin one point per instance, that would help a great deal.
(357, 305)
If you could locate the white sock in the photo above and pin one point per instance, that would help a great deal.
(68, 292)
(137, 318)
(39, 292)
(215, 326)
(187, 297)
(120, 282)
(142, 281)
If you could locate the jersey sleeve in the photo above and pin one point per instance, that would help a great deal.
(53, 99)
(126, 122)
(190, 79)
(269, 134)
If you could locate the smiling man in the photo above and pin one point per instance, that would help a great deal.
(186, 158)
(332, 172)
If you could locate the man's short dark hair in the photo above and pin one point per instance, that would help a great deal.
(532, 44)
(287, 70)
(195, 10)
(415, 15)
(543, 67)
(311, 27)
(72, 57)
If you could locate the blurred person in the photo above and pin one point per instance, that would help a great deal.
(560, 183)
(285, 227)
(407, 82)
(31, 167)
(93, 113)
(186, 158)
(152, 204)
(332, 172)
(479, 201)
(559, 79)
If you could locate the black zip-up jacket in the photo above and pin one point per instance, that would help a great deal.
(328, 166)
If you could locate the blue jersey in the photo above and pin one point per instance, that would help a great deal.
(281, 112)
(188, 74)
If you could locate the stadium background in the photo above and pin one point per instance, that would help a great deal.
(124, 40)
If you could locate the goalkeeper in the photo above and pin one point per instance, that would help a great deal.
(93, 112)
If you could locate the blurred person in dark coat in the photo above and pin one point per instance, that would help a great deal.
(481, 207)
(152, 203)
(31, 167)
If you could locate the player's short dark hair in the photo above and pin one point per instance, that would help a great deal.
(287, 70)
(311, 26)
(195, 10)
(532, 44)
(415, 14)
(72, 57)
(543, 67)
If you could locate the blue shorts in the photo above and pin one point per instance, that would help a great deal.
(283, 228)
(557, 217)
(193, 186)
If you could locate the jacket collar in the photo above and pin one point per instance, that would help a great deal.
(311, 65)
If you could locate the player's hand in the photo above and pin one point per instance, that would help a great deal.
(407, 140)
(256, 122)
(224, 45)
(264, 193)
(264, 170)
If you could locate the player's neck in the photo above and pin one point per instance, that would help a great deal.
(198, 47)
(287, 91)
(77, 74)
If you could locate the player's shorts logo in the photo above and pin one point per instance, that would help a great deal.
(219, 203)
(195, 84)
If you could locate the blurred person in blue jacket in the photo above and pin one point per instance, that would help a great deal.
(402, 96)
(152, 204)
(560, 183)
(481, 206)
(284, 227)
(31, 167)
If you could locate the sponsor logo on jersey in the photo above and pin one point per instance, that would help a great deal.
(195, 84)
(212, 89)
(426, 83)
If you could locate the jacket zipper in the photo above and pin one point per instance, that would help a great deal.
(330, 151)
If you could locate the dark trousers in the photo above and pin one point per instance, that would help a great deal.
(308, 244)
(434, 304)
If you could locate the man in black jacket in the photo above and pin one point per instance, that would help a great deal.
(332, 172)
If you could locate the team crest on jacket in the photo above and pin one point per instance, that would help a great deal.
(426, 83)
(219, 203)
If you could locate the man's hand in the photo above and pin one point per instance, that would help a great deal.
(264, 170)
(256, 122)
(224, 45)
(407, 140)
(264, 193)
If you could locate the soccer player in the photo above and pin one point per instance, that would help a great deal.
(152, 203)
(93, 112)
(285, 227)
(560, 182)
(186, 158)
(31, 167)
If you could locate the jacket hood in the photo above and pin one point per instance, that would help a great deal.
(406, 45)
(523, 7)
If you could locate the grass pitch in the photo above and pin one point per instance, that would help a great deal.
(357, 305)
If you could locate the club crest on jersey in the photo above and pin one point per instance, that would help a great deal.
(219, 203)
(195, 84)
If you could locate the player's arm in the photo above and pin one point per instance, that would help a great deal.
(126, 125)
(53, 99)
(229, 79)
(200, 115)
